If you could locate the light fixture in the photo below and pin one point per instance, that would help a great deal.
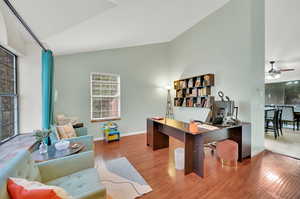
(168, 87)
(272, 76)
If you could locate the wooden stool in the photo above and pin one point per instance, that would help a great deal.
(227, 151)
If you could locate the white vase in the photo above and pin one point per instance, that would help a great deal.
(43, 148)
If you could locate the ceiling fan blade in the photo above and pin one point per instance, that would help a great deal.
(286, 70)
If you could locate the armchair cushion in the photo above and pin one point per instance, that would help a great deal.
(58, 168)
(84, 184)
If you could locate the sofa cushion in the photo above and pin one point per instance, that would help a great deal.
(84, 184)
(66, 131)
(20, 188)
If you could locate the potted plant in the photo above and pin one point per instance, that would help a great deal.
(41, 136)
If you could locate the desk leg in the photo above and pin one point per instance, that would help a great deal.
(194, 155)
(160, 140)
(235, 134)
(155, 139)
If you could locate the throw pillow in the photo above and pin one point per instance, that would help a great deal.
(19, 188)
(66, 131)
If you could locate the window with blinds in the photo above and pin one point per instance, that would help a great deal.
(8, 95)
(105, 97)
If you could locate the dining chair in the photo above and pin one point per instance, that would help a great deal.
(271, 116)
(279, 121)
(288, 115)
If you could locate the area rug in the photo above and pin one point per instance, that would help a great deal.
(288, 144)
(121, 179)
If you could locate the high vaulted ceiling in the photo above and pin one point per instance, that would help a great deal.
(69, 26)
(283, 36)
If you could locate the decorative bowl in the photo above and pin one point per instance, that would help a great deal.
(62, 145)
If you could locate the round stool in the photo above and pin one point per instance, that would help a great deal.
(227, 151)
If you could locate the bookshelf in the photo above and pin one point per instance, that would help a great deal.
(194, 91)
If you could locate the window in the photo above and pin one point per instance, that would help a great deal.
(105, 97)
(8, 95)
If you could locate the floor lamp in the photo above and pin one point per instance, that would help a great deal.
(169, 109)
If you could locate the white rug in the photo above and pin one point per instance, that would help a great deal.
(121, 179)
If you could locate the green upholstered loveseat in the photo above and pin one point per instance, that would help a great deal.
(76, 174)
(82, 136)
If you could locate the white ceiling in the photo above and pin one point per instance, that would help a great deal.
(283, 36)
(50, 17)
(69, 26)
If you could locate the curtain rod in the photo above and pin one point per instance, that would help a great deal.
(24, 23)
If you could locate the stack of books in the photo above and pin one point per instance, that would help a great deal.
(203, 91)
(183, 84)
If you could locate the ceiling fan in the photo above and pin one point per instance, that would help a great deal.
(275, 73)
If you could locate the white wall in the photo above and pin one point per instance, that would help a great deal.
(3, 31)
(10, 36)
(29, 71)
(29, 76)
(144, 74)
(230, 44)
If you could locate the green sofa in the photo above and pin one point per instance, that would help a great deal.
(76, 174)
(82, 136)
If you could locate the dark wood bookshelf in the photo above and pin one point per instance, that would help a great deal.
(194, 91)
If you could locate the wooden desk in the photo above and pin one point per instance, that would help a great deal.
(158, 132)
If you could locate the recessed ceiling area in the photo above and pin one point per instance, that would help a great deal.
(282, 37)
(49, 17)
(68, 26)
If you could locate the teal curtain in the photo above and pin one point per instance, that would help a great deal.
(47, 89)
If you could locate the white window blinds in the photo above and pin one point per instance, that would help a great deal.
(105, 96)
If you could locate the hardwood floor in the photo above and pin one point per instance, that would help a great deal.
(268, 175)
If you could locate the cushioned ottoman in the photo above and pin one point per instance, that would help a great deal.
(227, 151)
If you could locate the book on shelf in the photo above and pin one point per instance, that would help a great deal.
(208, 102)
(194, 92)
(203, 102)
(198, 103)
(179, 93)
(176, 85)
(190, 83)
(208, 80)
(184, 102)
(204, 91)
(190, 102)
(198, 82)
(183, 84)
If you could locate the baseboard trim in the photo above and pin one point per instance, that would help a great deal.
(123, 135)
(257, 151)
(133, 133)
